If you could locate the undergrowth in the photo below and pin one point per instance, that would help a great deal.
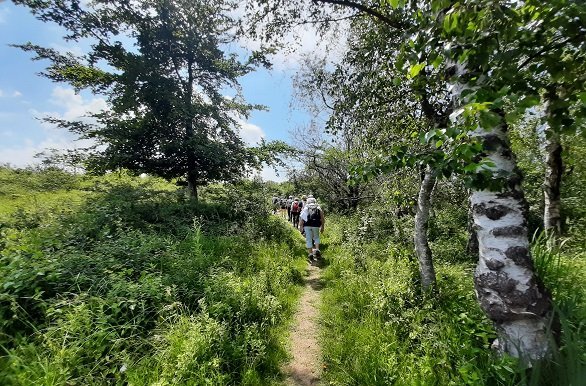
(379, 329)
(138, 285)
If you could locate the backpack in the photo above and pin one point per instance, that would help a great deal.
(295, 207)
(313, 216)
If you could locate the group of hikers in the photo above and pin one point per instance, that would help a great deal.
(307, 216)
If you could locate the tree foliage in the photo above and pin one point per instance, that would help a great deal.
(163, 68)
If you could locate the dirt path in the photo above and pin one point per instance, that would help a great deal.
(305, 367)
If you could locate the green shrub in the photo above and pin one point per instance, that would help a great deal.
(103, 292)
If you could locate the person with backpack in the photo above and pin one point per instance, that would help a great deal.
(312, 222)
(295, 211)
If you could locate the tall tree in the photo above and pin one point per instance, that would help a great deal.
(162, 67)
(328, 148)
(553, 73)
(477, 46)
(378, 105)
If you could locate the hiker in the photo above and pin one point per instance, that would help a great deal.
(312, 222)
(295, 211)
(289, 203)
(276, 202)
(303, 203)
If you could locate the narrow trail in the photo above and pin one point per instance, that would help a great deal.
(305, 367)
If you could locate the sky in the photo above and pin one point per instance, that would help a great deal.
(25, 96)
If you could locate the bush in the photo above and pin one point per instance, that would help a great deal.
(104, 293)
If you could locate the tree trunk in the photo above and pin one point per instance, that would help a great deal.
(192, 187)
(422, 249)
(553, 178)
(191, 175)
(506, 286)
(552, 221)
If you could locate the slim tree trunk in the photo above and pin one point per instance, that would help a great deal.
(191, 174)
(506, 286)
(552, 221)
(426, 270)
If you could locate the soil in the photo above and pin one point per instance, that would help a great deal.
(305, 366)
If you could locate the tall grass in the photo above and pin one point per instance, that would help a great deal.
(564, 275)
(379, 329)
(137, 285)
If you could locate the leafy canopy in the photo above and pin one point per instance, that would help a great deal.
(163, 68)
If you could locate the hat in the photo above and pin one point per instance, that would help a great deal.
(304, 197)
(296, 199)
(310, 196)
(290, 196)
(311, 200)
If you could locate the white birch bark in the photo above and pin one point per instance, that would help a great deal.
(552, 219)
(506, 285)
(426, 270)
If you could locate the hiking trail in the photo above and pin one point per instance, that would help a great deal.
(305, 365)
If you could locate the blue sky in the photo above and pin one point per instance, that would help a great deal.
(25, 96)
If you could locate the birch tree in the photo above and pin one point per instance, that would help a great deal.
(477, 46)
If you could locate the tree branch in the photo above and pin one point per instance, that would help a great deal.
(542, 51)
(365, 9)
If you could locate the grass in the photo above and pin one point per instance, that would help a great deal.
(133, 284)
(379, 329)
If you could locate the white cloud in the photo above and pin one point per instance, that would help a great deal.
(271, 174)
(305, 41)
(75, 49)
(69, 106)
(4, 12)
(14, 94)
(25, 155)
(251, 133)
(74, 104)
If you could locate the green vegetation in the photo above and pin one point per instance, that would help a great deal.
(444, 266)
(129, 282)
(379, 329)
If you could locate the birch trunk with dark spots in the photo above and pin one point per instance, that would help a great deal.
(426, 270)
(506, 285)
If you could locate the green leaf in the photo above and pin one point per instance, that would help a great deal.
(529, 101)
(488, 119)
(429, 135)
(437, 61)
(416, 69)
